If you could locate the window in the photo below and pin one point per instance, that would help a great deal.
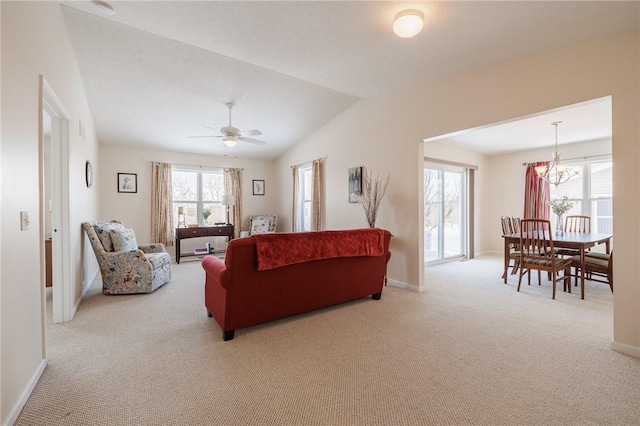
(198, 194)
(304, 197)
(591, 193)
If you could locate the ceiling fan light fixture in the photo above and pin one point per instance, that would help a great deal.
(229, 141)
(408, 23)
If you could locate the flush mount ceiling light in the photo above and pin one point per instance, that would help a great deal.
(103, 7)
(408, 23)
(230, 141)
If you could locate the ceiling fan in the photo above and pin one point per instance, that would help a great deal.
(231, 135)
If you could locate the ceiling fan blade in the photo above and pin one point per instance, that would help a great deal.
(212, 128)
(253, 132)
(253, 141)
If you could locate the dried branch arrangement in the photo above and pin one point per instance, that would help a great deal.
(373, 190)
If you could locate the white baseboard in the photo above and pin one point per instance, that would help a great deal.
(625, 349)
(400, 284)
(20, 403)
(85, 290)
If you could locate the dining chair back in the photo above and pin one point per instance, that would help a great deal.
(537, 253)
(574, 223)
(577, 223)
(515, 224)
(514, 254)
(507, 227)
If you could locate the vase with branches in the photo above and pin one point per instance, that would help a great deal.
(373, 189)
(560, 206)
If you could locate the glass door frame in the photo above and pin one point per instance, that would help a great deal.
(443, 168)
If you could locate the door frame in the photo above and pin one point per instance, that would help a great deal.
(62, 304)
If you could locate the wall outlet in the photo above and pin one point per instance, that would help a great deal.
(24, 221)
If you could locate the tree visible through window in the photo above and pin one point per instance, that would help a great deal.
(199, 194)
(591, 193)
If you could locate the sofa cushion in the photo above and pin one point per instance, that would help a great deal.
(259, 226)
(123, 239)
(103, 231)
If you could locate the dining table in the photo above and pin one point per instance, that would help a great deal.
(581, 241)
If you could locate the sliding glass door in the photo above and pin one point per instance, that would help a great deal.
(445, 212)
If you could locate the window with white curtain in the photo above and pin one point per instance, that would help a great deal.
(591, 193)
(305, 195)
(195, 192)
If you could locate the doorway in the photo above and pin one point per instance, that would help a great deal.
(54, 202)
(445, 212)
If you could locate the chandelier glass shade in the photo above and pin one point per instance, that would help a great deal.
(555, 173)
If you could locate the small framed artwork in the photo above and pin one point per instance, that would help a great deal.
(258, 187)
(127, 182)
(355, 184)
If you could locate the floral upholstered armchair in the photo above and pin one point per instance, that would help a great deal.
(126, 266)
(264, 224)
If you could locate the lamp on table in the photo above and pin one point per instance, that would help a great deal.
(228, 200)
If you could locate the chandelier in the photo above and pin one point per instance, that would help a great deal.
(555, 173)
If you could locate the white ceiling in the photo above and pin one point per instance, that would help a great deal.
(156, 72)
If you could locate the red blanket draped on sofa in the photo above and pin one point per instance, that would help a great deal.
(276, 250)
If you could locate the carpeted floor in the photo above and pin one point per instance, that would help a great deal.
(469, 351)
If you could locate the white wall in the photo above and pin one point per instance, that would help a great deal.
(25, 55)
(385, 132)
(134, 209)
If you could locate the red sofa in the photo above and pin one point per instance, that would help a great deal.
(270, 276)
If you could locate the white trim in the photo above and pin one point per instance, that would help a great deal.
(63, 302)
(24, 396)
(625, 349)
(400, 284)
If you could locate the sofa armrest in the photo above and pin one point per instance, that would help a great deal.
(216, 270)
(152, 248)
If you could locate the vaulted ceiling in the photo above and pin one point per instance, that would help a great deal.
(156, 73)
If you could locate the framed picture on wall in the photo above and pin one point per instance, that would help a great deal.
(128, 182)
(355, 184)
(258, 187)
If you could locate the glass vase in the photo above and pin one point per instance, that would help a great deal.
(559, 226)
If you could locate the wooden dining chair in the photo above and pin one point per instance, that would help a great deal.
(598, 266)
(514, 254)
(577, 223)
(537, 253)
(574, 223)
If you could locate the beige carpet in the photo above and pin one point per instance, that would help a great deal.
(469, 351)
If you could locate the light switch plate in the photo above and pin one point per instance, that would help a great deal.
(24, 221)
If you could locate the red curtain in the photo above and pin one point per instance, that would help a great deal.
(536, 193)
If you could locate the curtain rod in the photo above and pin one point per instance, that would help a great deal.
(199, 166)
(307, 162)
(603, 156)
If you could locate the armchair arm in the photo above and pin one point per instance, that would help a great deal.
(152, 248)
(131, 258)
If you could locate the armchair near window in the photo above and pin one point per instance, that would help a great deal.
(126, 266)
(263, 224)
